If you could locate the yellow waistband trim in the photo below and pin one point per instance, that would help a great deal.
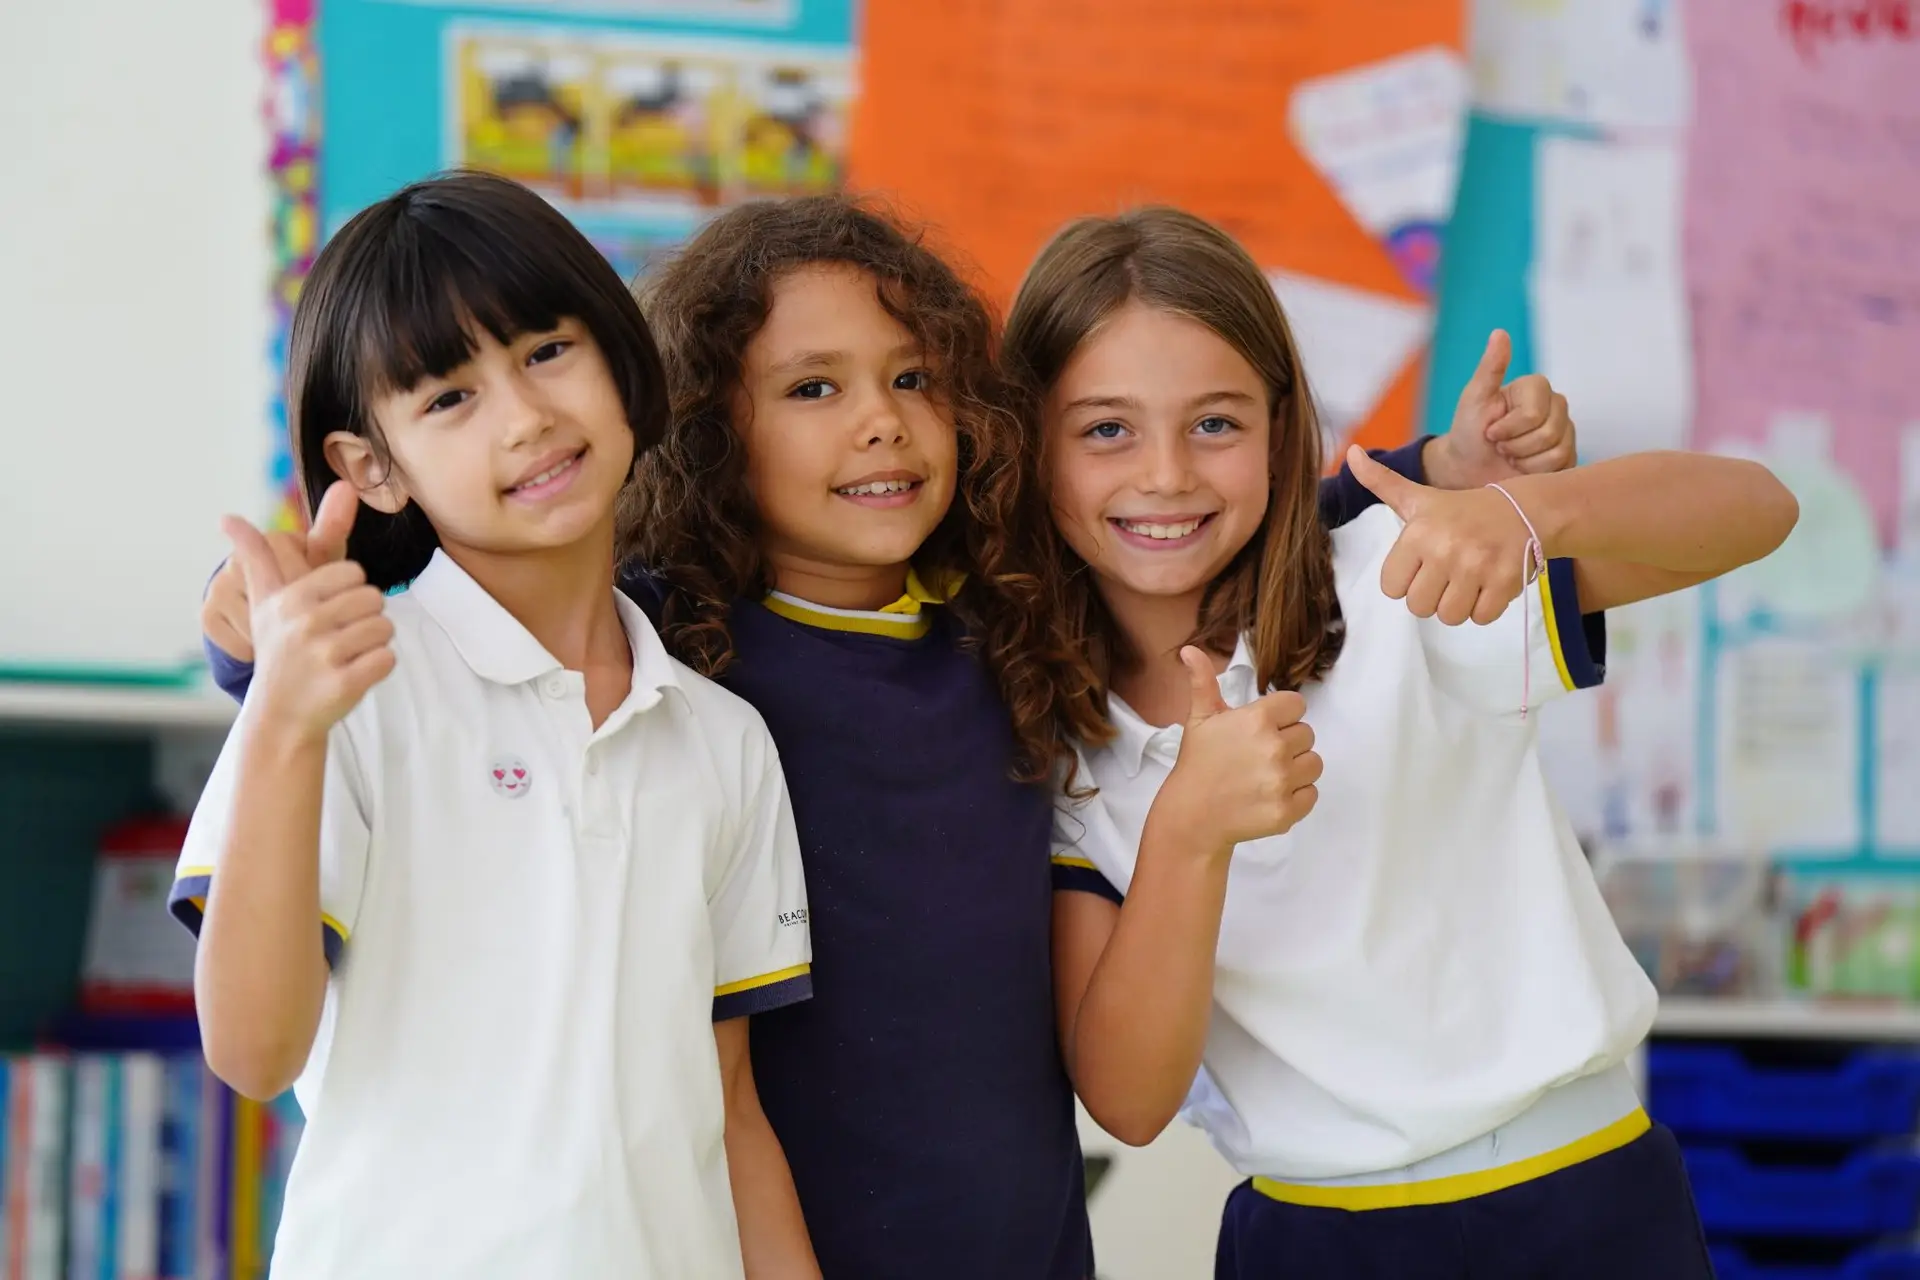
(1460, 1186)
(1073, 860)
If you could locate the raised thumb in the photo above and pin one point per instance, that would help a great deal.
(1384, 483)
(327, 535)
(1206, 700)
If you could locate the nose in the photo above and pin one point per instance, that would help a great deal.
(1169, 464)
(882, 423)
(524, 412)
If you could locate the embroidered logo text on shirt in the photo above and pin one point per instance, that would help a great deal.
(509, 777)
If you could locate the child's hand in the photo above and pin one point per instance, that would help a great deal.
(224, 612)
(1246, 773)
(1502, 429)
(320, 636)
(1462, 553)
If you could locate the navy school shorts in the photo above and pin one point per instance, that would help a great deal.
(1624, 1215)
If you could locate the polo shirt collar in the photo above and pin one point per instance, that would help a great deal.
(1133, 735)
(498, 648)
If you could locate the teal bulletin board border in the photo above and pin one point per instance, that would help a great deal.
(1486, 256)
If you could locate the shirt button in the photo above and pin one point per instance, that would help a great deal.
(554, 687)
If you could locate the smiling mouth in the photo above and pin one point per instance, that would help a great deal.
(1161, 531)
(550, 479)
(882, 495)
(878, 488)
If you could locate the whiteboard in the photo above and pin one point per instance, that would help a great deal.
(134, 323)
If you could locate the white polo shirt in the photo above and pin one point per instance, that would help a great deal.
(1426, 953)
(536, 924)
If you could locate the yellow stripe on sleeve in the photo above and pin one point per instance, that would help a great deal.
(1552, 621)
(764, 980)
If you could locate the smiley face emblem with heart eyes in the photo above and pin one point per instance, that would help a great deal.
(510, 777)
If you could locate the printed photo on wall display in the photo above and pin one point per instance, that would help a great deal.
(792, 138)
(609, 121)
(523, 105)
(667, 119)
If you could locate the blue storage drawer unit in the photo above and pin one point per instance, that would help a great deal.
(1712, 1091)
(1871, 1193)
(1731, 1263)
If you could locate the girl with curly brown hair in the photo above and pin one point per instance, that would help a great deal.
(1412, 1007)
(824, 528)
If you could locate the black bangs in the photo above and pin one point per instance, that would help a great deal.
(439, 278)
(401, 293)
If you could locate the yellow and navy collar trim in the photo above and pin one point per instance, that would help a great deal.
(904, 619)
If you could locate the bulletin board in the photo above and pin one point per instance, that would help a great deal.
(1699, 221)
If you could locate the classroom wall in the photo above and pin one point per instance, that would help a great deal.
(133, 334)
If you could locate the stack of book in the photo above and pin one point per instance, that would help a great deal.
(136, 1166)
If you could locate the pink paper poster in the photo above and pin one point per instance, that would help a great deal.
(1802, 229)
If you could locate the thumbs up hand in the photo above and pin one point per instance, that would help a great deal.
(1502, 429)
(1247, 773)
(320, 636)
(224, 612)
(1461, 554)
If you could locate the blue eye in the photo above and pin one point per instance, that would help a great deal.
(1215, 426)
(1105, 430)
(812, 389)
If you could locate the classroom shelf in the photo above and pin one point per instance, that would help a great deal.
(127, 707)
(1787, 1019)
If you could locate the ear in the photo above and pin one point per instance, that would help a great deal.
(353, 459)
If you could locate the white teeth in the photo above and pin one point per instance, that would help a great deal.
(546, 475)
(1162, 531)
(877, 488)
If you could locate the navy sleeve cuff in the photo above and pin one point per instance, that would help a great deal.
(1076, 875)
(1342, 497)
(1579, 640)
(763, 994)
(187, 901)
(229, 673)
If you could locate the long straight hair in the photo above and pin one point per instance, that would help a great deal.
(394, 298)
(1279, 586)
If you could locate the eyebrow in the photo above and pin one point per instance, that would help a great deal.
(1131, 402)
(827, 359)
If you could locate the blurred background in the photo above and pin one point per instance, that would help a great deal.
(1699, 218)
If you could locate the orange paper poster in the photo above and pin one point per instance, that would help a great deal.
(998, 120)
